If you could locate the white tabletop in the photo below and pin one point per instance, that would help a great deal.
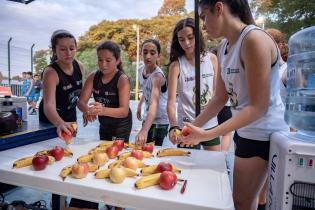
(208, 186)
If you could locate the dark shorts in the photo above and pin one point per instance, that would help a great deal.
(224, 115)
(247, 148)
(157, 133)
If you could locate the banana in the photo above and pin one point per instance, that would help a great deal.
(97, 149)
(102, 174)
(106, 143)
(124, 155)
(67, 152)
(43, 152)
(85, 158)
(147, 181)
(93, 167)
(172, 152)
(74, 126)
(141, 164)
(134, 146)
(152, 170)
(114, 164)
(51, 159)
(177, 132)
(147, 154)
(66, 171)
(23, 162)
(130, 172)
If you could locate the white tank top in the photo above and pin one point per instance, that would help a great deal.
(186, 89)
(146, 86)
(234, 77)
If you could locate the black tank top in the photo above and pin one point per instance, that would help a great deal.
(67, 93)
(108, 95)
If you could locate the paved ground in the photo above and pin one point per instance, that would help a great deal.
(91, 131)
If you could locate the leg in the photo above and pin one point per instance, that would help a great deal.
(249, 177)
(225, 142)
(262, 195)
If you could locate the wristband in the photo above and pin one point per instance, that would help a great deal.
(173, 127)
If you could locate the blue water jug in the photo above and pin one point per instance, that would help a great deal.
(300, 100)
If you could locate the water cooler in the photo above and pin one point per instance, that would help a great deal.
(292, 155)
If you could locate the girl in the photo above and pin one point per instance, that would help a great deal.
(153, 85)
(249, 62)
(62, 83)
(181, 80)
(111, 92)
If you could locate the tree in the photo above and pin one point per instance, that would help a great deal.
(41, 60)
(289, 16)
(172, 7)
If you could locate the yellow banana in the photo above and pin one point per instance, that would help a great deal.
(44, 152)
(51, 160)
(177, 132)
(130, 172)
(114, 164)
(67, 152)
(74, 126)
(106, 143)
(23, 162)
(152, 170)
(93, 167)
(102, 174)
(124, 155)
(147, 181)
(97, 149)
(147, 154)
(134, 146)
(141, 164)
(172, 152)
(85, 158)
(66, 171)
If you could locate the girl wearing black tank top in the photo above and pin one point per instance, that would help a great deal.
(62, 83)
(111, 91)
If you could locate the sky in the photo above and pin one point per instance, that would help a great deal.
(34, 23)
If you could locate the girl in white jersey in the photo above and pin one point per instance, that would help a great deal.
(249, 62)
(154, 96)
(181, 81)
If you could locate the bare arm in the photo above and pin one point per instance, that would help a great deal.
(139, 108)
(86, 93)
(157, 81)
(172, 89)
(30, 88)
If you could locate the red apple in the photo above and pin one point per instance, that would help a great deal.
(168, 180)
(186, 130)
(112, 151)
(164, 166)
(66, 137)
(120, 144)
(57, 152)
(40, 162)
(148, 148)
(80, 170)
(137, 154)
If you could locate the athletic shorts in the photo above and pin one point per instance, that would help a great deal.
(247, 148)
(224, 115)
(157, 133)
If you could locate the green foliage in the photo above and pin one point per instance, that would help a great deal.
(89, 59)
(289, 16)
(172, 7)
(41, 60)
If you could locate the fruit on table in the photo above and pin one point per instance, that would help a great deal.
(168, 180)
(148, 148)
(102, 174)
(172, 152)
(153, 169)
(80, 170)
(186, 130)
(116, 163)
(40, 162)
(120, 144)
(117, 175)
(66, 171)
(68, 152)
(177, 132)
(100, 158)
(124, 155)
(131, 162)
(85, 158)
(23, 162)
(57, 152)
(164, 166)
(112, 151)
(137, 154)
(147, 181)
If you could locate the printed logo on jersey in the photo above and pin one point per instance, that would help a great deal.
(232, 71)
(232, 96)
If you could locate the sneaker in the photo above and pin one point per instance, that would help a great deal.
(33, 112)
(29, 108)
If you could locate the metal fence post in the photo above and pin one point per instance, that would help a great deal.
(9, 62)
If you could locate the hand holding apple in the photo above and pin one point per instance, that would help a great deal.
(186, 130)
